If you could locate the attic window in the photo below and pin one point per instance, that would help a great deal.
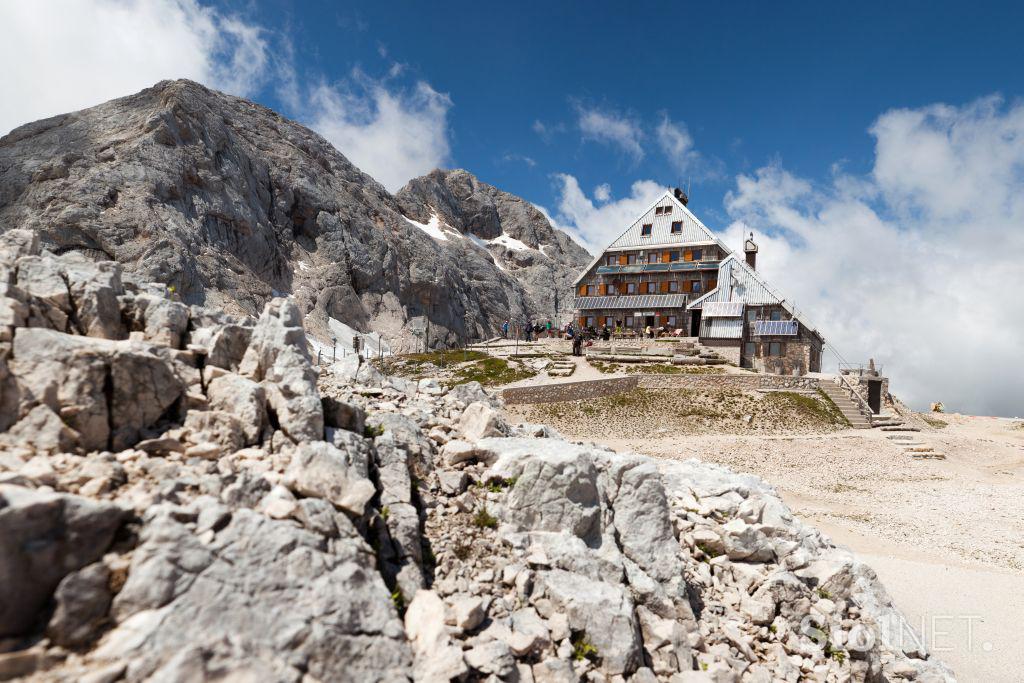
(677, 227)
(645, 230)
(658, 210)
(666, 209)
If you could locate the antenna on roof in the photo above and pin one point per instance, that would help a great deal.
(687, 186)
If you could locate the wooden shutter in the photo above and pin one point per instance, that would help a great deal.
(583, 290)
(688, 255)
(583, 321)
(602, 289)
(623, 259)
(686, 285)
(712, 284)
(664, 320)
(664, 287)
(665, 257)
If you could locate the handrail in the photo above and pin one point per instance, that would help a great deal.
(860, 399)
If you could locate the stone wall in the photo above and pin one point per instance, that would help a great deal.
(569, 391)
(747, 382)
(574, 391)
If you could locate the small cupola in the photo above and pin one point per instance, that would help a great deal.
(750, 249)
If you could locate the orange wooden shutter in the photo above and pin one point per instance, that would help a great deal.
(583, 290)
(686, 285)
(623, 259)
(712, 284)
(602, 289)
(664, 287)
(665, 257)
(688, 255)
(583, 321)
(664, 320)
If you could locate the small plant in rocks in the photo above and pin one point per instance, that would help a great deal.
(582, 648)
(484, 519)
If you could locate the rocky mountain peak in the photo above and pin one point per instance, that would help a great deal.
(232, 204)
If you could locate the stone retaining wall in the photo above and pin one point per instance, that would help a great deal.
(750, 382)
(574, 391)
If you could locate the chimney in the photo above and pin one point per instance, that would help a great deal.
(681, 196)
(750, 249)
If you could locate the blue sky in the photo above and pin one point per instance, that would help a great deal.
(875, 149)
(798, 83)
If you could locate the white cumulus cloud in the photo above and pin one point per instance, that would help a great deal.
(918, 263)
(64, 55)
(392, 132)
(611, 128)
(594, 226)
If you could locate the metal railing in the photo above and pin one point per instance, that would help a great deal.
(863, 404)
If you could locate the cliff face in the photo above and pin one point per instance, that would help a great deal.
(231, 204)
(519, 237)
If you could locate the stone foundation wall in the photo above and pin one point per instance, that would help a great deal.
(575, 391)
(746, 382)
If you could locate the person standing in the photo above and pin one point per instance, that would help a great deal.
(504, 329)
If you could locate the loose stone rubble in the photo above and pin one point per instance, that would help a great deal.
(183, 496)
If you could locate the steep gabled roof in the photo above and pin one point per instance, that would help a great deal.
(739, 282)
(693, 231)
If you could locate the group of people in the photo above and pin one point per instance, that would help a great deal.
(530, 330)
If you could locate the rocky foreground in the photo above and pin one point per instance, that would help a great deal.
(184, 497)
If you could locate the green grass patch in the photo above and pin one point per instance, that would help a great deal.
(935, 422)
(490, 372)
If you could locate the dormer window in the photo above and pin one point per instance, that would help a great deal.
(645, 230)
(677, 227)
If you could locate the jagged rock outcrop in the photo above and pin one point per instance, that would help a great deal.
(231, 204)
(365, 527)
(518, 235)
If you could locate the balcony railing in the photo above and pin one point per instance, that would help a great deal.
(675, 267)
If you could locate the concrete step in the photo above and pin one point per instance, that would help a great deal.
(900, 428)
(933, 455)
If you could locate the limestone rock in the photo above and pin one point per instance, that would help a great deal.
(322, 470)
(43, 537)
(83, 599)
(436, 658)
(299, 608)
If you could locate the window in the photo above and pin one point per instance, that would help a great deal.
(749, 349)
(677, 227)
(751, 315)
(631, 288)
(652, 257)
(658, 210)
(775, 348)
(695, 286)
(590, 321)
(611, 288)
(671, 321)
(666, 209)
(696, 254)
(591, 290)
(610, 261)
(631, 259)
(629, 321)
(673, 286)
(645, 230)
(673, 256)
(776, 315)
